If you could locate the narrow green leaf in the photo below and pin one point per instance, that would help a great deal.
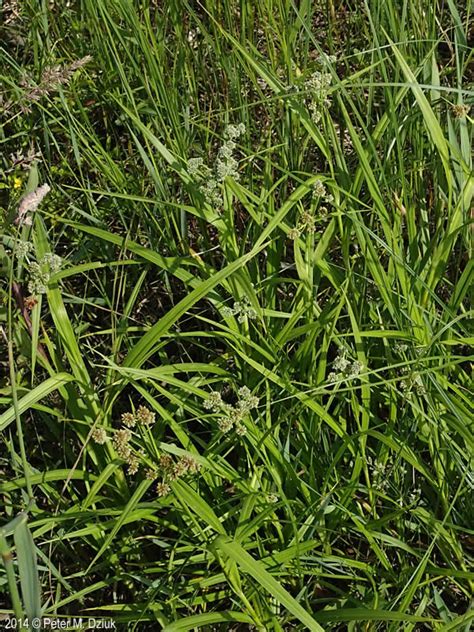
(431, 122)
(34, 396)
(187, 495)
(145, 347)
(130, 506)
(200, 620)
(257, 570)
(28, 570)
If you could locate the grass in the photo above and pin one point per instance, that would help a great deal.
(291, 344)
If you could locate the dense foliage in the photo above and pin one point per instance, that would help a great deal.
(235, 318)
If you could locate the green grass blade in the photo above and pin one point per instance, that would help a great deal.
(28, 570)
(256, 570)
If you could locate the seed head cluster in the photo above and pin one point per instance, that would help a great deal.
(144, 417)
(344, 369)
(241, 309)
(128, 419)
(99, 435)
(412, 382)
(232, 417)
(40, 273)
(318, 86)
(133, 463)
(210, 180)
(151, 474)
(320, 192)
(23, 248)
(171, 469)
(460, 111)
(162, 489)
(308, 220)
(167, 468)
(121, 442)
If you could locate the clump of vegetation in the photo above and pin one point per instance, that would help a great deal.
(235, 314)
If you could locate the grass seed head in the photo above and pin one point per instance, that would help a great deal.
(145, 416)
(162, 489)
(99, 435)
(29, 204)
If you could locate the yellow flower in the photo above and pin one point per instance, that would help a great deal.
(17, 183)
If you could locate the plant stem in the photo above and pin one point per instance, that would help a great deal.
(7, 559)
(11, 362)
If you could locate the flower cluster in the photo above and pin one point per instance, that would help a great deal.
(344, 369)
(99, 436)
(197, 168)
(380, 473)
(460, 111)
(295, 233)
(308, 221)
(232, 132)
(193, 37)
(40, 273)
(23, 248)
(171, 469)
(121, 440)
(387, 477)
(318, 86)
(54, 262)
(232, 416)
(226, 166)
(400, 347)
(306, 224)
(30, 203)
(412, 382)
(142, 415)
(208, 184)
(162, 489)
(241, 309)
(321, 193)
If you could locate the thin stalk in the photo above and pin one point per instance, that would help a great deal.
(7, 559)
(11, 362)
